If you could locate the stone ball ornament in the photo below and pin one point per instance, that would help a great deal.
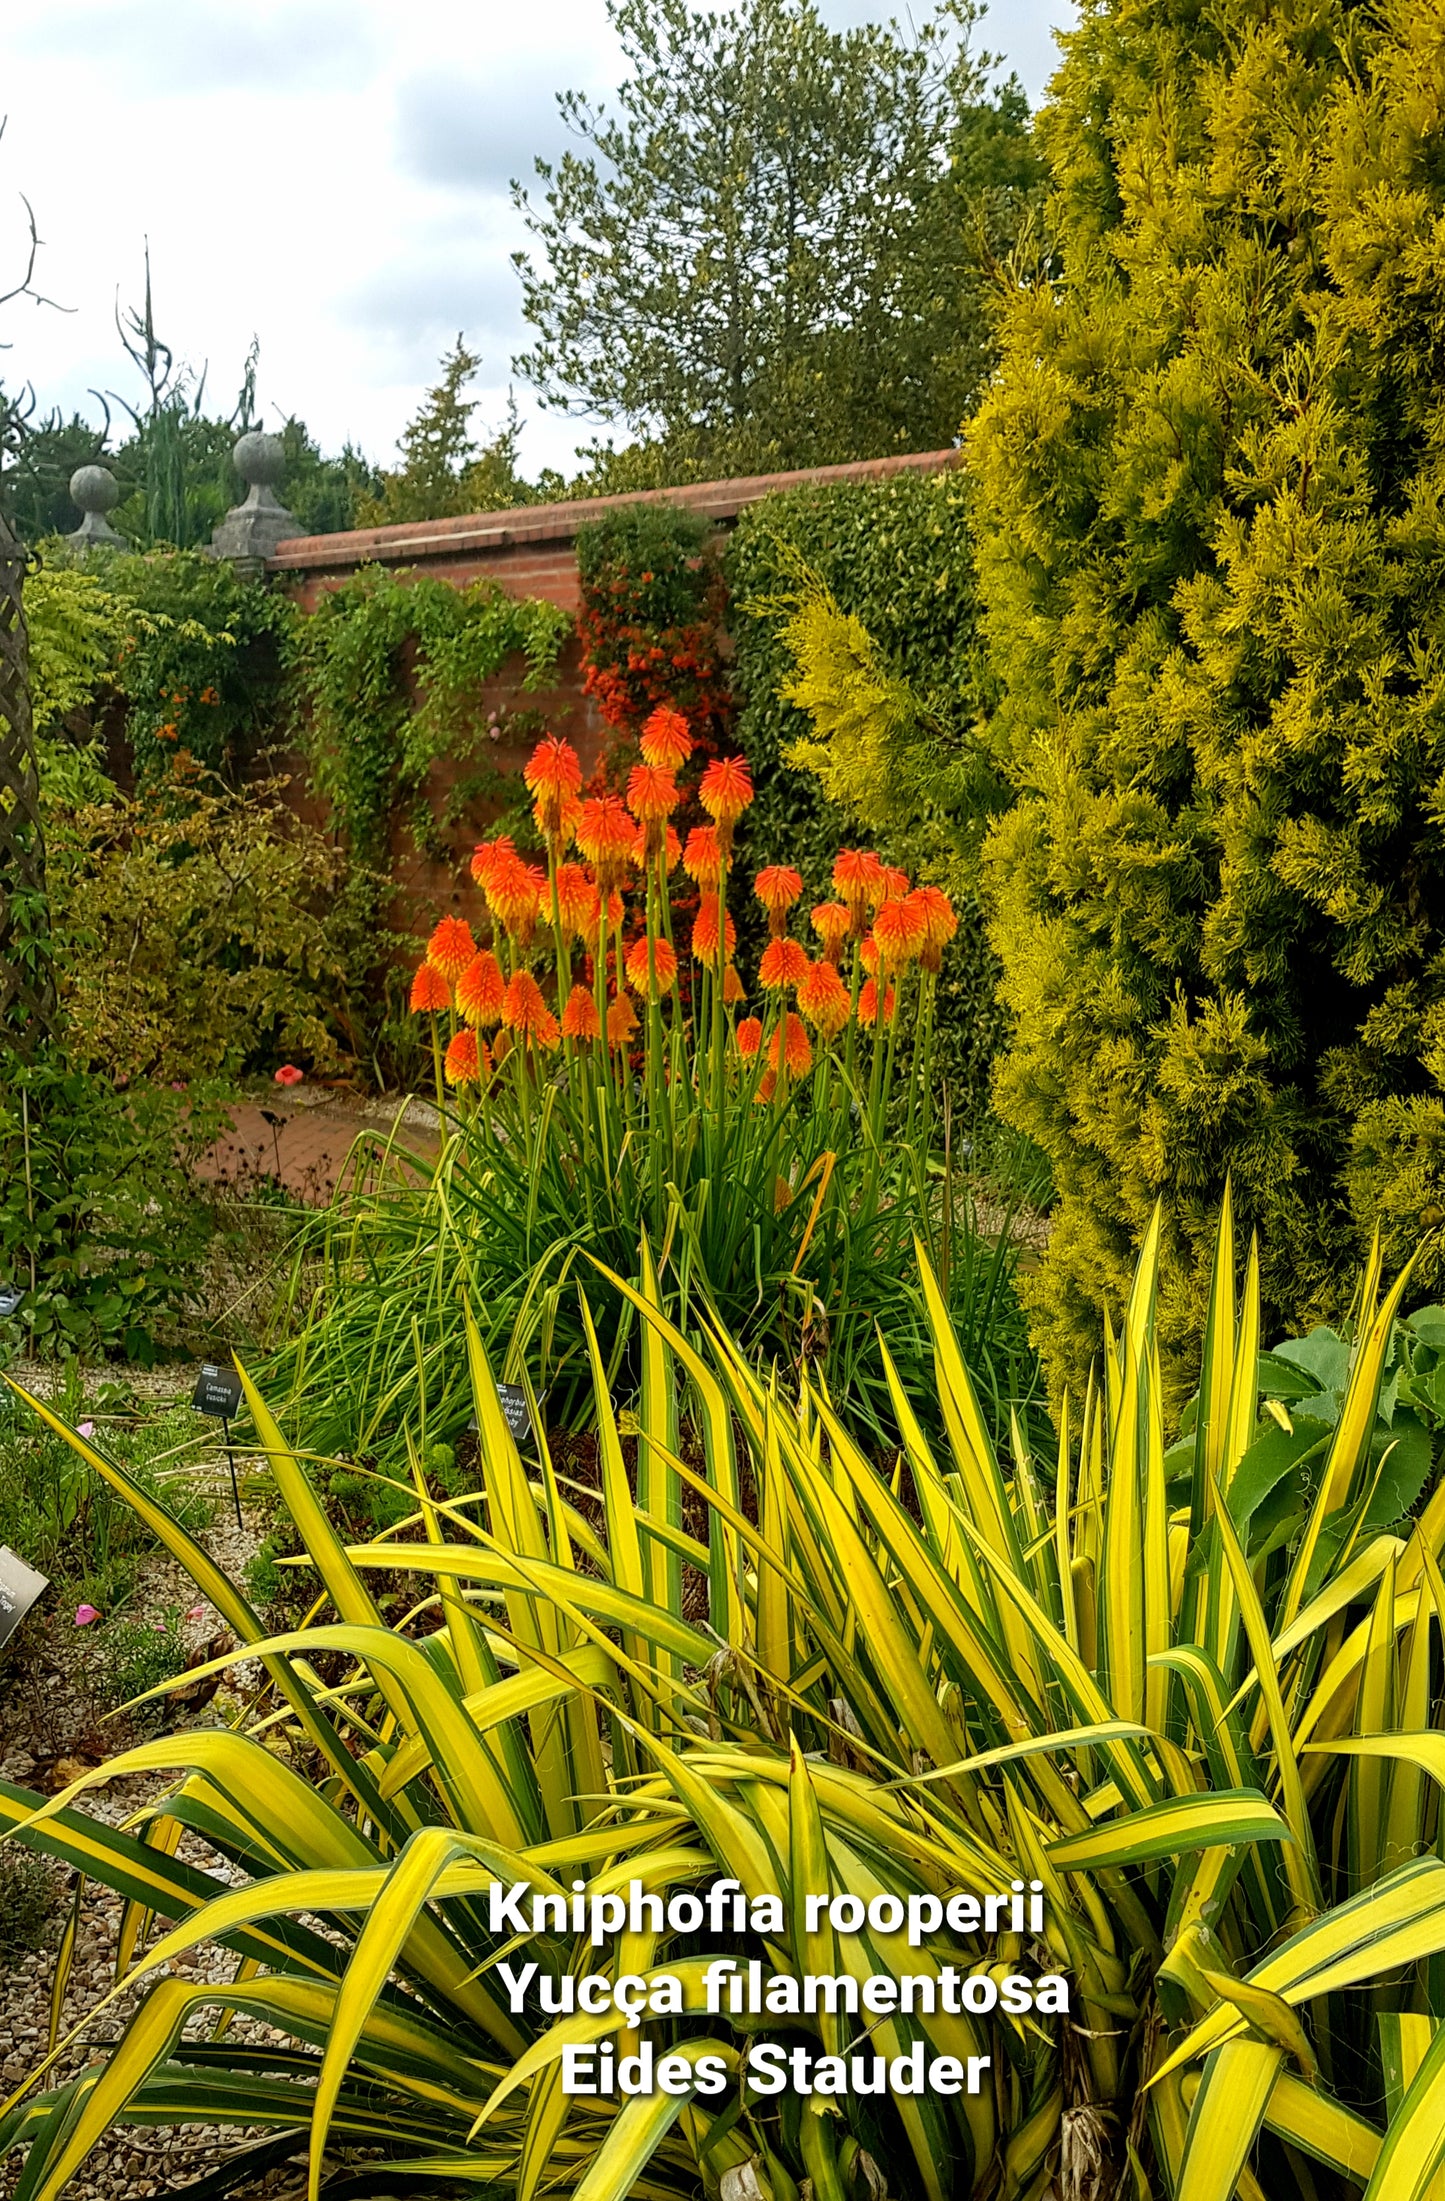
(94, 489)
(260, 459)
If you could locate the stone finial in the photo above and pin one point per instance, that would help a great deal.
(253, 529)
(95, 490)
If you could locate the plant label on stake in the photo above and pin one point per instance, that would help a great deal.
(218, 1393)
(513, 1401)
(19, 1588)
(10, 1299)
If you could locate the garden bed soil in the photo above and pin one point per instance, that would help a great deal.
(303, 1139)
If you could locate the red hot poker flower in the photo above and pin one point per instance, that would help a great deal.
(777, 888)
(480, 989)
(621, 1021)
(797, 1049)
(750, 1037)
(451, 946)
(579, 1018)
(663, 965)
(651, 793)
(725, 791)
(429, 990)
(732, 986)
(576, 901)
(605, 836)
(858, 881)
(823, 999)
(939, 923)
(868, 1003)
(488, 853)
(899, 932)
(526, 1013)
(665, 740)
(704, 933)
(895, 884)
(463, 1065)
(702, 858)
(830, 921)
(784, 963)
(554, 779)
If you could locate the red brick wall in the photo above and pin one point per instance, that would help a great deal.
(530, 551)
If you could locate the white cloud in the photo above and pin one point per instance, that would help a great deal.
(329, 175)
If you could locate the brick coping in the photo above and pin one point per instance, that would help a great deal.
(478, 532)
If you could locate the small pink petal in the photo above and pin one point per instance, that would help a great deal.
(85, 1429)
(84, 1614)
(197, 1612)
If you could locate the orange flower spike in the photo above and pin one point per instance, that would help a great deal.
(579, 1017)
(868, 1003)
(621, 1021)
(733, 989)
(514, 898)
(554, 779)
(868, 954)
(480, 989)
(725, 790)
(662, 972)
(750, 1037)
(451, 947)
(777, 888)
(605, 835)
(651, 793)
(704, 934)
(429, 990)
(488, 854)
(526, 1013)
(895, 884)
(784, 963)
(796, 1047)
(899, 932)
(702, 858)
(823, 999)
(940, 923)
(665, 740)
(858, 881)
(463, 1065)
(576, 901)
(830, 921)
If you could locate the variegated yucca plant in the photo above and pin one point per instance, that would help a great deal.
(1207, 1724)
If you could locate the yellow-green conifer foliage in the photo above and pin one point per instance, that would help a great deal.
(1212, 559)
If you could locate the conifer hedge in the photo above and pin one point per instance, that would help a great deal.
(896, 554)
(1210, 545)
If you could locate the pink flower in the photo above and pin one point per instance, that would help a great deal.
(196, 1612)
(85, 1429)
(84, 1614)
(288, 1074)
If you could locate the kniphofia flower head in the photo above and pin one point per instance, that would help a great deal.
(665, 739)
(940, 923)
(705, 930)
(525, 1012)
(605, 835)
(576, 901)
(579, 1018)
(488, 853)
(830, 921)
(702, 858)
(733, 989)
(451, 946)
(513, 891)
(554, 780)
(750, 1037)
(784, 963)
(792, 1042)
(656, 843)
(868, 1003)
(480, 989)
(895, 884)
(858, 881)
(651, 965)
(621, 1020)
(899, 931)
(464, 1059)
(823, 998)
(429, 990)
(777, 888)
(725, 791)
(651, 793)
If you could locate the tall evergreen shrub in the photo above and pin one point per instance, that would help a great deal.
(1211, 556)
(893, 555)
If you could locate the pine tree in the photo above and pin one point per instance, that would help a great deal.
(444, 468)
(1211, 551)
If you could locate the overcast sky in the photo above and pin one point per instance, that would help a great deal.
(328, 175)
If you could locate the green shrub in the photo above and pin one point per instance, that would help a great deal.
(98, 1217)
(29, 1899)
(1209, 478)
(132, 1656)
(896, 556)
(67, 1522)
